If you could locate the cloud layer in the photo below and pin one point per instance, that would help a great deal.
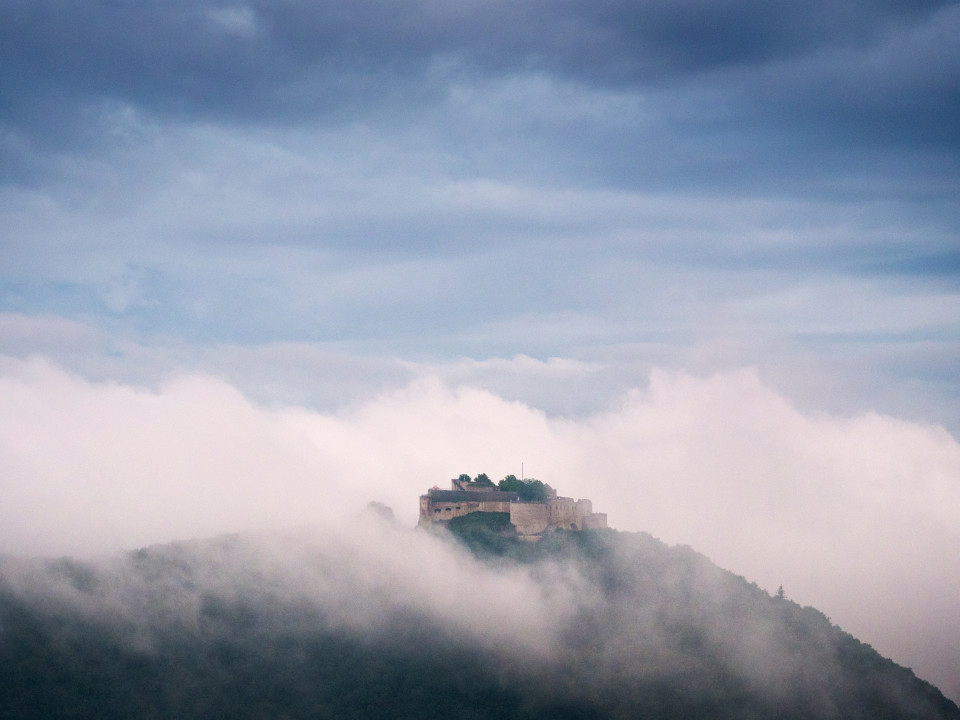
(692, 185)
(855, 515)
(280, 62)
(431, 179)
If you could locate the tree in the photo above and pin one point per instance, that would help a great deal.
(780, 595)
(529, 490)
(482, 479)
(464, 478)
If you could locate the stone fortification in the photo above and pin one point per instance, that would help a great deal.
(531, 519)
(440, 506)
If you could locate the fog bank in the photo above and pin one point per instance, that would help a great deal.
(857, 516)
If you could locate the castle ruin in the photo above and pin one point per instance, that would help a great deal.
(531, 518)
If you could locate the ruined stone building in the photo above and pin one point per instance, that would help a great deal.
(531, 519)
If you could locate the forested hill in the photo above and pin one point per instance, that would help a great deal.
(627, 628)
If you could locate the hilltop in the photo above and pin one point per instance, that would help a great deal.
(532, 508)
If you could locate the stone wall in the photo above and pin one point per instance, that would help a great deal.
(445, 511)
(563, 513)
(595, 521)
(559, 513)
(530, 518)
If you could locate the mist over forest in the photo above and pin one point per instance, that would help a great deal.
(376, 620)
(722, 463)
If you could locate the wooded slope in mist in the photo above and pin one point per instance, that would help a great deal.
(654, 632)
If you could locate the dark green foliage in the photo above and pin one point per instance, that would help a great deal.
(529, 490)
(490, 522)
(481, 480)
(656, 632)
(55, 666)
(486, 533)
(679, 637)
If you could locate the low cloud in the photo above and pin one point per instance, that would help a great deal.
(857, 515)
(357, 572)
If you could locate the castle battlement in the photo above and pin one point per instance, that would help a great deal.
(531, 518)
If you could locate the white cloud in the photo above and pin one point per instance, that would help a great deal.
(856, 515)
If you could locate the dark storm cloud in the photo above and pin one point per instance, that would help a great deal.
(882, 69)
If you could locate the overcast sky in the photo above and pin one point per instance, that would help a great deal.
(695, 259)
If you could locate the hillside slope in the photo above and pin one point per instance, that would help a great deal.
(209, 630)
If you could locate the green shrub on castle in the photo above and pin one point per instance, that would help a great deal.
(529, 490)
